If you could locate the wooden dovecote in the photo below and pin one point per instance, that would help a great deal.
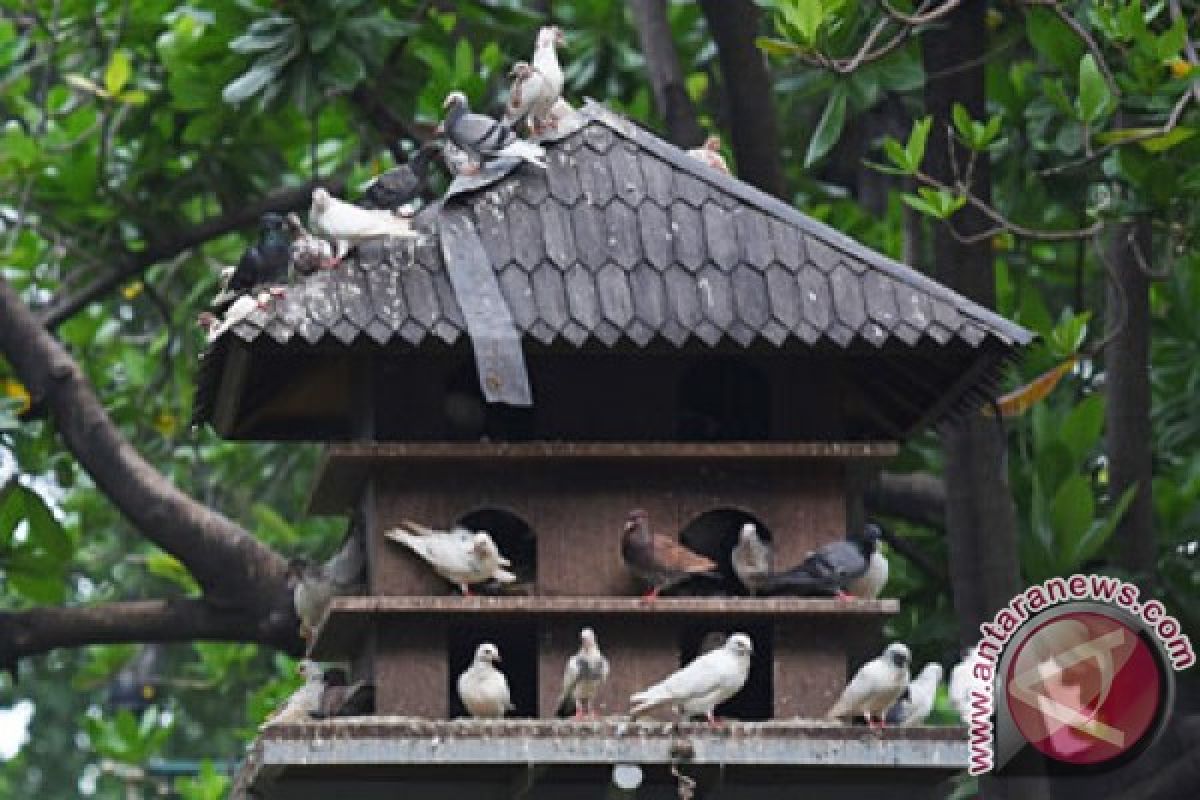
(695, 348)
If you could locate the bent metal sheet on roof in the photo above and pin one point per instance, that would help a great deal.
(626, 237)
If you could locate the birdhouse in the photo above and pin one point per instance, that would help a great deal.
(684, 344)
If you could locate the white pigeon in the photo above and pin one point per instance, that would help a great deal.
(482, 688)
(585, 673)
(537, 86)
(710, 154)
(460, 556)
(871, 583)
(753, 559)
(309, 253)
(915, 705)
(876, 686)
(961, 680)
(239, 310)
(348, 224)
(702, 685)
(315, 585)
(304, 700)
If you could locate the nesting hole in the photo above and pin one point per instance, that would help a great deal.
(518, 661)
(723, 399)
(756, 700)
(516, 541)
(714, 534)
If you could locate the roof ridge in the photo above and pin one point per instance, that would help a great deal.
(730, 184)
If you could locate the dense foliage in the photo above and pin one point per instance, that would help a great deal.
(129, 124)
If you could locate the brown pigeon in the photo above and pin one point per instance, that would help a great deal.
(659, 561)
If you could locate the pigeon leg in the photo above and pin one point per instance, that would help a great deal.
(578, 711)
(650, 596)
(843, 595)
(714, 721)
(465, 589)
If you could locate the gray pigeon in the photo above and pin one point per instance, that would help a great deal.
(701, 686)
(753, 559)
(659, 561)
(309, 253)
(834, 568)
(482, 688)
(875, 687)
(484, 138)
(340, 698)
(401, 184)
(915, 705)
(315, 585)
(265, 261)
(585, 673)
(460, 556)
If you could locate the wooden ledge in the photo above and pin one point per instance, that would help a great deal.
(345, 465)
(347, 619)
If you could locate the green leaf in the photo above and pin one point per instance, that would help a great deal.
(1081, 429)
(118, 72)
(344, 69)
(829, 128)
(251, 82)
(1101, 530)
(169, 568)
(805, 17)
(778, 47)
(962, 121)
(261, 42)
(916, 141)
(1159, 144)
(938, 203)
(899, 156)
(1094, 95)
(1051, 37)
(1071, 512)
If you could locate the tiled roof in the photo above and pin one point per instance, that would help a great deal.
(624, 236)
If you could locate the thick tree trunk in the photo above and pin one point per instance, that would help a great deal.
(666, 76)
(734, 24)
(1127, 384)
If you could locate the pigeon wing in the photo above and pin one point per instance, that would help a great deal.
(671, 554)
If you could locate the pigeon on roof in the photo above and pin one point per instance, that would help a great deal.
(753, 559)
(837, 569)
(659, 561)
(536, 86)
(710, 153)
(401, 184)
(315, 585)
(585, 673)
(702, 685)
(349, 225)
(460, 556)
(875, 687)
(304, 700)
(459, 161)
(309, 253)
(915, 705)
(265, 261)
(484, 138)
(482, 688)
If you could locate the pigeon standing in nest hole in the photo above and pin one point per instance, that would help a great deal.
(659, 561)
(585, 673)
(753, 559)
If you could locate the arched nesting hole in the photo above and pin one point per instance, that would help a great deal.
(517, 642)
(516, 542)
(756, 700)
(723, 399)
(714, 534)
(468, 417)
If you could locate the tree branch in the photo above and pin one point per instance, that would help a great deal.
(133, 264)
(734, 27)
(919, 497)
(230, 564)
(37, 631)
(666, 76)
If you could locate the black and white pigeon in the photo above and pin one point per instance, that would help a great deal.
(315, 585)
(875, 687)
(707, 682)
(401, 184)
(485, 139)
(842, 569)
(266, 261)
(585, 673)
(916, 704)
(753, 559)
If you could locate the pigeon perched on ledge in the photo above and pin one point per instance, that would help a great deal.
(483, 138)
(482, 688)
(315, 585)
(702, 685)
(304, 701)
(349, 225)
(659, 561)
(537, 86)
(585, 673)
(852, 566)
(753, 559)
(460, 556)
(401, 184)
(915, 705)
(340, 698)
(875, 687)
